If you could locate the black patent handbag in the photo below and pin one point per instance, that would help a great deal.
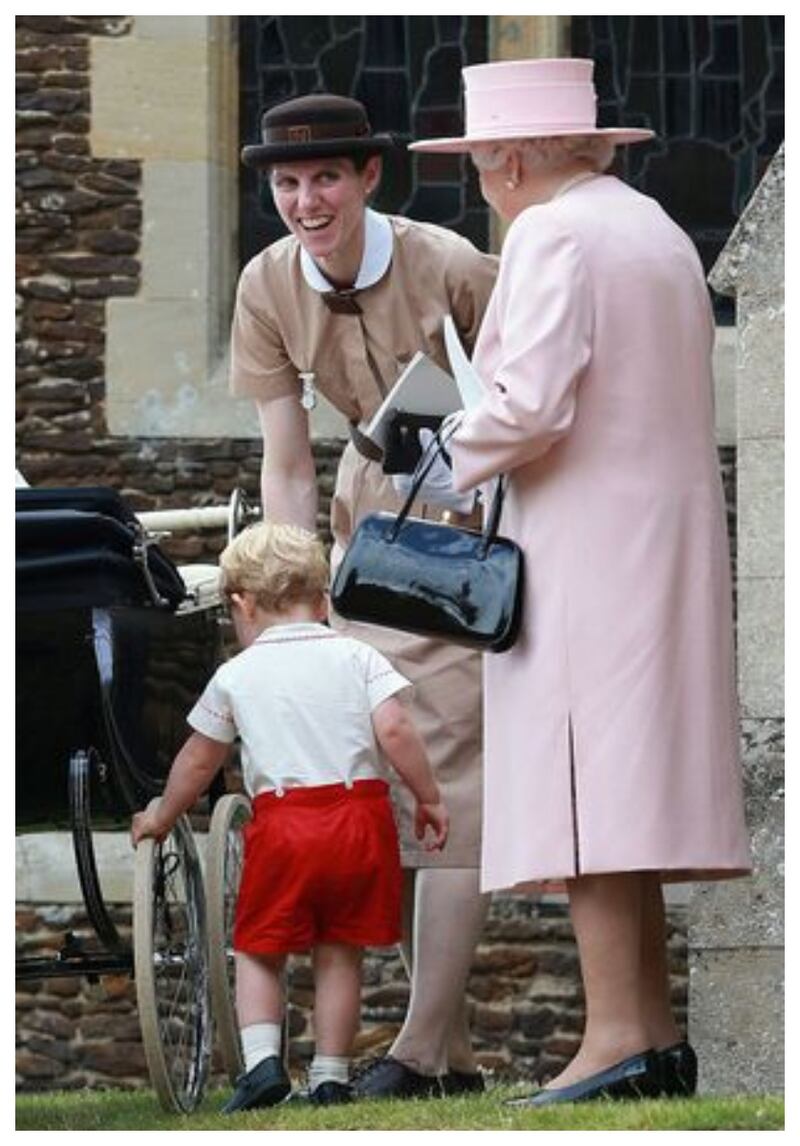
(433, 578)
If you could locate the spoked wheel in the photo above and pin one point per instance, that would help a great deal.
(171, 967)
(224, 856)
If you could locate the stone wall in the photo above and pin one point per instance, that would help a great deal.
(79, 236)
(524, 992)
(737, 931)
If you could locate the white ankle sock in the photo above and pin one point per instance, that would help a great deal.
(260, 1041)
(328, 1068)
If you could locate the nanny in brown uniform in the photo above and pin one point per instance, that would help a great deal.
(339, 306)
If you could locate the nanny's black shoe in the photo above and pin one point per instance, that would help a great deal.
(266, 1084)
(678, 1070)
(462, 1082)
(330, 1093)
(636, 1077)
(387, 1077)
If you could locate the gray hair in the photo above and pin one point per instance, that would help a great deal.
(546, 154)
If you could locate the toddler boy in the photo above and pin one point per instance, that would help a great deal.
(314, 711)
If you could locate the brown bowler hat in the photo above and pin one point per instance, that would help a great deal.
(312, 127)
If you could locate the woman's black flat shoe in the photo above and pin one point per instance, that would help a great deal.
(636, 1077)
(457, 1082)
(331, 1093)
(678, 1070)
(387, 1077)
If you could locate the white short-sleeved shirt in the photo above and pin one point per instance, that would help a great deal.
(301, 699)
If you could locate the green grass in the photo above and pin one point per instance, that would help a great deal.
(115, 1110)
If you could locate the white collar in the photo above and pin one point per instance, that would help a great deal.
(293, 631)
(378, 242)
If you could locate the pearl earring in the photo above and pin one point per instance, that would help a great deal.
(511, 184)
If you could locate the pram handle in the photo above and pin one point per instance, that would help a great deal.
(234, 516)
(176, 520)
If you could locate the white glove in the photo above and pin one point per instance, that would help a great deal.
(437, 488)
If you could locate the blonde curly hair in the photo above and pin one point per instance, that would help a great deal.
(283, 565)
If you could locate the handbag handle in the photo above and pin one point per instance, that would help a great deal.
(423, 466)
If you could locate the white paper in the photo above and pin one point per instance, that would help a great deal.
(469, 383)
(422, 388)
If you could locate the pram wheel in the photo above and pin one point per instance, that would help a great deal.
(224, 857)
(171, 967)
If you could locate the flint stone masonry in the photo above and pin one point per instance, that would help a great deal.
(525, 1001)
(80, 243)
(524, 992)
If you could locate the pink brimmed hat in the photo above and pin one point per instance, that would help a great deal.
(528, 99)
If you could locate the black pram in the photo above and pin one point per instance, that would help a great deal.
(113, 647)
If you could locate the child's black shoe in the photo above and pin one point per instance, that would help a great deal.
(266, 1084)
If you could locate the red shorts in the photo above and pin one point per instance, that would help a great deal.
(321, 865)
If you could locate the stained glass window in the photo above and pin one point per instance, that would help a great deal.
(407, 72)
(711, 87)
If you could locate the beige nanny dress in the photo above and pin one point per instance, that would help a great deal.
(611, 726)
(287, 321)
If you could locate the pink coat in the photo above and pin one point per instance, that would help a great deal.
(611, 727)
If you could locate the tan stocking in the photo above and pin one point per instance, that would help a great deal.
(445, 925)
(656, 1002)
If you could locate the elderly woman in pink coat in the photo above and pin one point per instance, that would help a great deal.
(611, 738)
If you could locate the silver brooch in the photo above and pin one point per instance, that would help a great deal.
(308, 397)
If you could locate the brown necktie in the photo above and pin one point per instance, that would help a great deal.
(341, 301)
